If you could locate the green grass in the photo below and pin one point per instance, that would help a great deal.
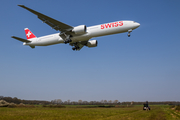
(74, 113)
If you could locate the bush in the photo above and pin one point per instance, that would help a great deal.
(44, 105)
(3, 103)
(120, 106)
(60, 106)
(172, 106)
(106, 106)
(178, 108)
(12, 105)
(54, 106)
(21, 105)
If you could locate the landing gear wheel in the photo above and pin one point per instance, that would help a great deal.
(74, 48)
(67, 41)
(77, 47)
(129, 35)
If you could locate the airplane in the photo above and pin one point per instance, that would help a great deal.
(78, 36)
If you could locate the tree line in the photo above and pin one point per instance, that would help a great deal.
(81, 102)
(18, 101)
(110, 102)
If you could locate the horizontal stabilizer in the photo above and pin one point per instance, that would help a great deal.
(20, 39)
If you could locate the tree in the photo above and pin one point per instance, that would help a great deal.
(102, 101)
(132, 102)
(74, 103)
(56, 101)
(91, 102)
(115, 101)
(85, 103)
(105, 101)
(59, 101)
(1, 97)
(79, 102)
(110, 101)
(65, 103)
(69, 102)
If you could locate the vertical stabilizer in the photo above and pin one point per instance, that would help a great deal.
(29, 34)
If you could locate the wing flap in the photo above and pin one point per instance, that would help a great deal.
(57, 25)
(20, 39)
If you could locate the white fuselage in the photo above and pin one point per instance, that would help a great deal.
(92, 31)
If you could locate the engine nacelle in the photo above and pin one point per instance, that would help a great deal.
(81, 29)
(92, 43)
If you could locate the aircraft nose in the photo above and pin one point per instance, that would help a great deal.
(137, 24)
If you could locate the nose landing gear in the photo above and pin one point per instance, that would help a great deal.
(129, 31)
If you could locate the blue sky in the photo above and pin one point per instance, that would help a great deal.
(143, 67)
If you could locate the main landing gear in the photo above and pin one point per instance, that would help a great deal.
(67, 41)
(65, 37)
(129, 31)
(75, 48)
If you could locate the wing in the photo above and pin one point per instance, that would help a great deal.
(57, 25)
(20, 39)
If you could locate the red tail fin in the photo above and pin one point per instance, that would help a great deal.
(29, 34)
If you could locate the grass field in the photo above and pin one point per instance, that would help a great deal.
(157, 112)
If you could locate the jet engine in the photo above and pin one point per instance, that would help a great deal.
(92, 43)
(81, 29)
